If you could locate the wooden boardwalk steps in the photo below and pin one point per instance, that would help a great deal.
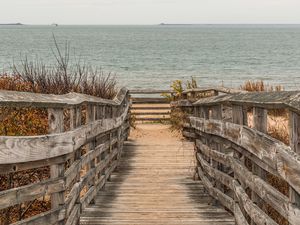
(153, 185)
(151, 112)
(155, 108)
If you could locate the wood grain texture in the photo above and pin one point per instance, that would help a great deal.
(268, 100)
(27, 149)
(27, 99)
(153, 185)
(269, 150)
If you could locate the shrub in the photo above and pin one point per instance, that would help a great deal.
(39, 77)
(259, 85)
(178, 87)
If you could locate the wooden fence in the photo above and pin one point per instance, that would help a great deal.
(81, 159)
(252, 174)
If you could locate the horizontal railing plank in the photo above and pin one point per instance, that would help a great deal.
(264, 190)
(256, 214)
(217, 89)
(269, 150)
(50, 217)
(28, 99)
(30, 192)
(26, 149)
(214, 192)
(268, 100)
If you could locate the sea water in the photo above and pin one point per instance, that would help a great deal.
(153, 56)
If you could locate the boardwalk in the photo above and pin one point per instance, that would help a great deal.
(154, 185)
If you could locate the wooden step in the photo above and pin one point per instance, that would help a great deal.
(150, 113)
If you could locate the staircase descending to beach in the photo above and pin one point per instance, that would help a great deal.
(102, 171)
(148, 106)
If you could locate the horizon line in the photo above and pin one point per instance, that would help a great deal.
(156, 24)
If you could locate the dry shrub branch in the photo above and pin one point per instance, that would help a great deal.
(38, 77)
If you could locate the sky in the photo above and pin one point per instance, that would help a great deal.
(137, 12)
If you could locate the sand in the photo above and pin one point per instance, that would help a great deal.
(155, 133)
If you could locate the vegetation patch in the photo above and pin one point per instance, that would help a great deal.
(38, 77)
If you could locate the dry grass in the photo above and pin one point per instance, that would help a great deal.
(259, 85)
(38, 77)
(177, 119)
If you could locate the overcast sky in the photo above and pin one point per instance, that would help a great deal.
(149, 11)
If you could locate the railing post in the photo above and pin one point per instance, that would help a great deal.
(239, 116)
(75, 121)
(90, 117)
(216, 114)
(56, 125)
(260, 123)
(294, 131)
(100, 115)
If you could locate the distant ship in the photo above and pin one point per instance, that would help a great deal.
(54, 24)
(12, 24)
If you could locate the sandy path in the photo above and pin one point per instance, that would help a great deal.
(155, 133)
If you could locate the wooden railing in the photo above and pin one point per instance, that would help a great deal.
(81, 159)
(252, 174)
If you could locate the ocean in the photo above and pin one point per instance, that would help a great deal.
(153, 56)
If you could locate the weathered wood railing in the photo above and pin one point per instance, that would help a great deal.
(81, 159)
(237, 159)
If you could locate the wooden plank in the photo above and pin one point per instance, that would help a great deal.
(215, 89)
(260, 123)
(239, 217)
(49, 217)
(27, 149)
(149, 100)
(294, 135)
(150, 113)
(27, 99)
(216, 114)
(215, 173)
(74, 216)
(216, 193)
(272, 152)
(268, 100)
(154, 185)
(256, 214)
(56, 125)
(150, 91)
(264, 190)
(217, 156)
(31, 192)
(150, 108)
(151, 119)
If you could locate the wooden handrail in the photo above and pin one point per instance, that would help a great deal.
(15, 149)
(216, 89)
(235, 161)
(36, 100)
(268, 100)
(94, 147)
